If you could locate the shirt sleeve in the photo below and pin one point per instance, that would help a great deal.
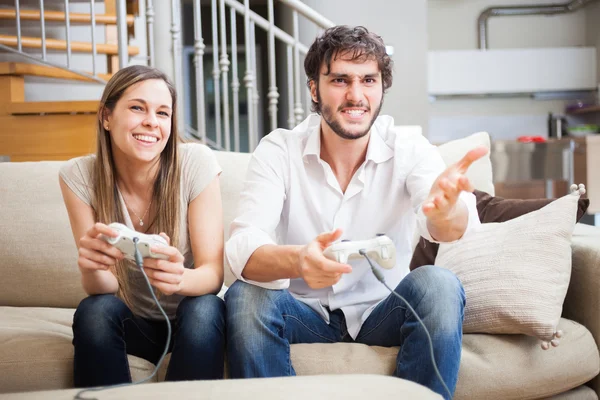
(77, 174)
(259, 208)
(419, 182)
(199, 169)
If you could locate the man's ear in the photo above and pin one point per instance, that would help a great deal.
(313, 91)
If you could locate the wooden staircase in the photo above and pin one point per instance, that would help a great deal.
(57, 16)
(54, 44)
(53, 130)
(32, 131)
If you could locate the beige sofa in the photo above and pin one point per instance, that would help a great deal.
(40, 288)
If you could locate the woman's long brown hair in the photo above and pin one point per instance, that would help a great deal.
(166, 188)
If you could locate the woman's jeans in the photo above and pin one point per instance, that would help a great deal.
(106, 331)
(262, 323)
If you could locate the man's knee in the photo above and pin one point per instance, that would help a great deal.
(246, 299)
(436, 282)
(251, 311)
(438, 295)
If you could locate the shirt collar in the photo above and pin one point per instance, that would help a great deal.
(313, 141)
(378, 150)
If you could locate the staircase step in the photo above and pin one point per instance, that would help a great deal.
(59, 16)
(22, 69)
(55, 44)
(52, 107)
(47, 137)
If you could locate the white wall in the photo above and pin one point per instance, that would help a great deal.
(403, 25)
(592, 30)
(453, 25)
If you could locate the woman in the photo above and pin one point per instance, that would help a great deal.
(143, 177)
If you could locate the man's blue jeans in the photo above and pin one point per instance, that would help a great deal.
(262, 323)
(105, 331)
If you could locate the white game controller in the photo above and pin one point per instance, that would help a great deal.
(380, 248)
(124, 242)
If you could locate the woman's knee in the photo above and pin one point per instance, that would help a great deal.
(208, 306)
(98, 315)
(202, 315)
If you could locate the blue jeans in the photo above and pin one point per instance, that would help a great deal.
(262, 323)
(105, 331)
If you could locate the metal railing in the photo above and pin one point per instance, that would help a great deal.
(226, 81)
(231, 122)
(67, 44)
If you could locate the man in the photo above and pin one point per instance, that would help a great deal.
(350, 174)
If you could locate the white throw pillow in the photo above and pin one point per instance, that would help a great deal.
(516, 273)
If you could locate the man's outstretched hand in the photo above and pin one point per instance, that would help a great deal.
(443, 196)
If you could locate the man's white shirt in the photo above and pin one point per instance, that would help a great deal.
(290, 196)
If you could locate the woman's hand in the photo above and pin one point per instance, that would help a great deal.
(94, 253)
(165, 275)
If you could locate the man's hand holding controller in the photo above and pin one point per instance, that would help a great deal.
(317, 270)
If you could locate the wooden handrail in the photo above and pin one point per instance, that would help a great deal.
(58, 16)
(52, 107)
(20, 69)
(55, 44)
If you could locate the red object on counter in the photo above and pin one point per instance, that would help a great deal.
(531, 139)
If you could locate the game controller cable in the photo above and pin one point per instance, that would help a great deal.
(140, 263)
(381, 279)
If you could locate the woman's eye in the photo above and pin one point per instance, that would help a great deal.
(137, 108)
(166, 114)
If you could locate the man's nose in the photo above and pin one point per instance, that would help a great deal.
(355, 92)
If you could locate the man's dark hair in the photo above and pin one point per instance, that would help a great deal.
(353, 44)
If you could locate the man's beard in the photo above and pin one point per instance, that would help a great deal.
(335, 124)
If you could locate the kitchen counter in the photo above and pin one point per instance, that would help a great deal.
(534, 170)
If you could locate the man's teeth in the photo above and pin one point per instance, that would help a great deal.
(355, 112)
(144, 138)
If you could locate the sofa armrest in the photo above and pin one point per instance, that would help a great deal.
(582, 303)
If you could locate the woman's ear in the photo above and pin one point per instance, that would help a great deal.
(104, 117)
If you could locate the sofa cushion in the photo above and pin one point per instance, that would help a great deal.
(37, 350)
(492, 366)
(38, 257)
(234, 167)
(37, 354)
(297, 388)
(579, 393)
